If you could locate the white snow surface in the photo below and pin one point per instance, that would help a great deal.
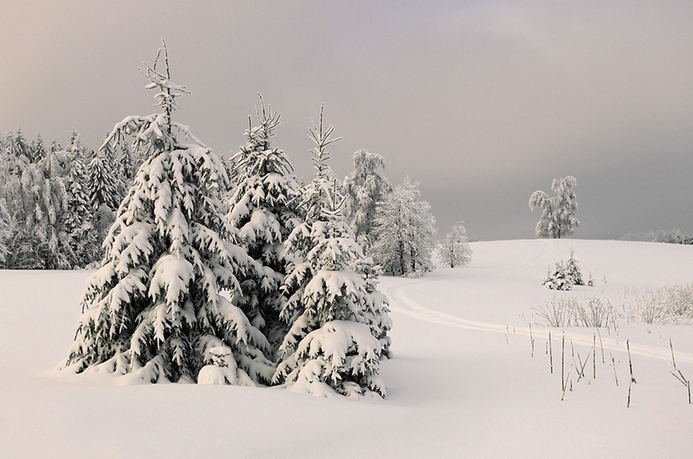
(461, 383)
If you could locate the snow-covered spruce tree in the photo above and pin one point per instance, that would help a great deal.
(17, 145)
(37, 150)
(5, 231)
(155, 308)
(455, 250)
(332, 345)
(557, 278)
(572, 270)
(404, 232)
(558, 212)
(363, 189)
(104, 187)
(264, 208)
(78, 223)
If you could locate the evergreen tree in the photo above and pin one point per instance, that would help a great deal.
(5, 232)
(155, 308)
(332, 345)
(84, 239)
(455, 250)
(558, 212)
(37, 151)
(102, 183)
(18, 145)
(557, 279)
(364, 188)
(404, 232)
(126, 166)
(572, 270)
(264, 210)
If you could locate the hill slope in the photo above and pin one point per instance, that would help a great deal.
(462, 383)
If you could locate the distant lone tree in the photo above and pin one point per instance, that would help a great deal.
(558, 212)
(455, 251)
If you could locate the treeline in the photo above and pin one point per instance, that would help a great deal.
(56, 203)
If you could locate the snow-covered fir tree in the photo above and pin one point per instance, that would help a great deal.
(332, 346)
(17, 145)
(155, 308)
(557, 279)
(102, 183)
(404, 232)
(37, 150)
(455, 250)
(572, 270)
(264, 208)
(6, 225)
(558, 211)
(84, 239)
(364, 188)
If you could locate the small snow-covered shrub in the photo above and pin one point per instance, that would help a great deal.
(564, 275)
(557, 279)
(221, 369)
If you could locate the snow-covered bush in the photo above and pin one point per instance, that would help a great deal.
(336, 319)
(455, 250)
(404, 232)
(557, 279)
(154, 309)
(558, 212)
(221, 369)
(564, 275)
(264, 209)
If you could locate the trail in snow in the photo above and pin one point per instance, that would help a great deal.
(401, 304)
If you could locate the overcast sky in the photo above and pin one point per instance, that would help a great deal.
(481, 102)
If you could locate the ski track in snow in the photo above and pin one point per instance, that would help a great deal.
(401, 304)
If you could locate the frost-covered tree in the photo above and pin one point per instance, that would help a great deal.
(84, 239)
(103, 186)
(404, 232)
(155, 308)
(332, 346)
(5, 232)
(37, 201)
(264, 208)
(37, 150)
(363, 189)
(455, 250)
(558, 212)
(17, 145)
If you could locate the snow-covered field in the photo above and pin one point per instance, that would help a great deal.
(462, 383)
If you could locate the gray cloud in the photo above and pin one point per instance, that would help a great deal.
(482, 102)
